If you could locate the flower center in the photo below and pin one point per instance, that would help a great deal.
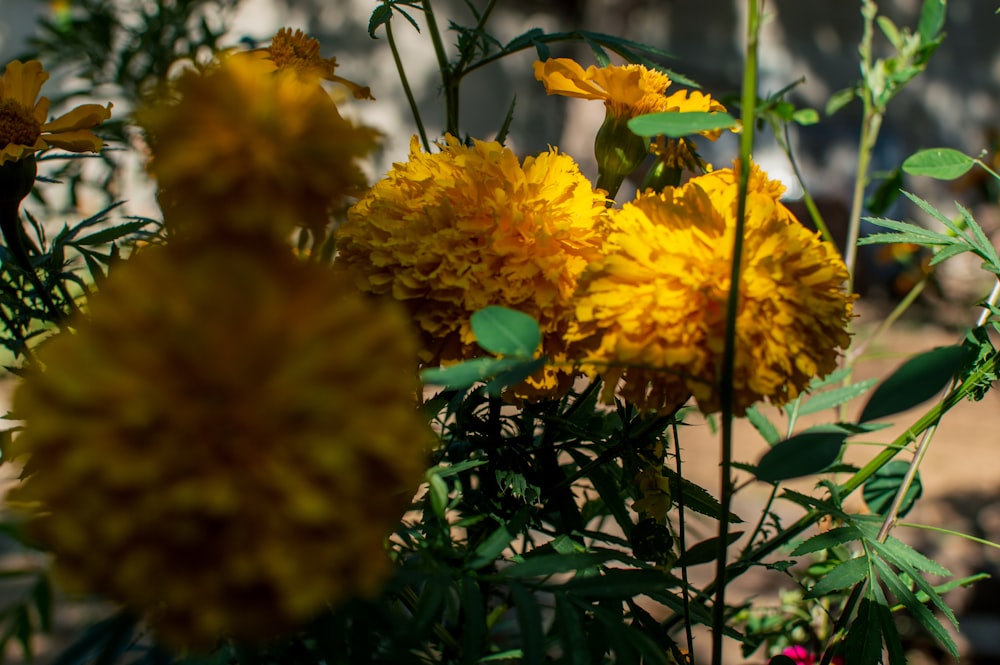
(298, 51)
(17, 124)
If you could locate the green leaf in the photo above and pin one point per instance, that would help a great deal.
(706, 550)
(111, 234)
(824, 541)
(917, 609)
(802, 455)
(465, 374)
(863, 644)
(940, 163)
(529, 617)
(474, 619)
(893, 645)
(381, 14)
(546, 565)
(618, 583)
(763, 425)
(696, 498)
(932, 16)
(513, 376)
(843, 576)
(890, 30)
(506, 332)
(833, 398)
(676, 124)
(490, 549)
(916, 381)
(572, 632)
(805, 117)
(840, 99)
(880, 490)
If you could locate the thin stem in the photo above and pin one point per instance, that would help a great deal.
(410, 99)
(682, 544)
(726, 393)
(448, 82)
(814, 214)
(959, 534)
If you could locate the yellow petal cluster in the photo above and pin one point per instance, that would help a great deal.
(25, 127)
(300, 53)
(651, 313)
(451, 232)
(224, 444)
(243, 136)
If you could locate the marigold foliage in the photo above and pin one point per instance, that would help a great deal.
(654, 306)
(244, 135)
(452, 232)
(223, 444)
(24, 125)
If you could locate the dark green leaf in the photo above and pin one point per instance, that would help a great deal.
(705, 551)
(506, 332)
(571, 630)
(863, 645)
(381, 14)
(529, 618)
(843, 576)
(490, 549)
(546, 565)
(619, 583)
(939, 163)
(111, 234)
(916, 381)
(802, 455)
(695, 497)
(880, 490)
(675, 124)
(513, 376)
(465, 374)
(893, 644)
(474, 620)
(824, 541)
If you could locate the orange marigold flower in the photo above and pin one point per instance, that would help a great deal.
(24, 125)
(245, 152)
(452, 232)
(299, 52)
(223, 444)
(654, 306)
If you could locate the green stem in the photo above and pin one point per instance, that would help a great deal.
(726, 392)
(814, 213)
(682, 544)
(410, 99)
(448, 82)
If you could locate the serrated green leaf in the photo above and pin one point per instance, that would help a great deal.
(863, 645)
(916, 609)
(506, 332)
(677, 124)
(903, 556)
(916, 381)
(830, 399)
(893, 645)
(948, 252)
(843, 576)
(939, 163)
(110, 234)
(696, 498)
(705, 551)
(381, 14)
(763, 425)
(826, 540)
(801, 455)
(880, 490)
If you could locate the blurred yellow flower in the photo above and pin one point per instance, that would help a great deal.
(299, 52)
(250, 153)
(223, 444)
(449, 233)
(654, 306)
(24, 125)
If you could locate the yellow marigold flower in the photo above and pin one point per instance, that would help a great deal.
(246, 152)
(24, 125)
(654, 306)
(223, 444)
(299, 52)
(452, 232)
(626, 90)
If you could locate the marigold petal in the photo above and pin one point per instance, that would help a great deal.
(563, 76)
(23, 81)
(86, 116)
(82, 140)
